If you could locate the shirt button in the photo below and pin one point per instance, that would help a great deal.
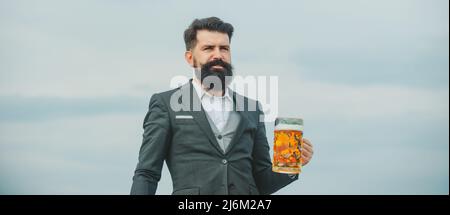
(224, 161)
(219, 137)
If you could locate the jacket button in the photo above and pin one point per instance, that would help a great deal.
(224, 161)
(219, 137)
(231, 186)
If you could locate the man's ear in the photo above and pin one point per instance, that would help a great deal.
(189, 58)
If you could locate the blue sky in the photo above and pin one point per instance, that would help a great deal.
(370, 79)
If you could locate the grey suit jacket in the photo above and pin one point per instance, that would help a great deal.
(194, 158)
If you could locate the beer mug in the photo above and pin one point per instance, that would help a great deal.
(287, 146)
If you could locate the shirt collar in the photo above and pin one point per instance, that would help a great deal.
(201, 92)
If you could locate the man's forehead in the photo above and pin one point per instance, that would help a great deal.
(212, 37)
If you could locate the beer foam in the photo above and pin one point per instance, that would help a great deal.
(289, 127)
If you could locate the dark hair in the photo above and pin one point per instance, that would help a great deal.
(210, 24)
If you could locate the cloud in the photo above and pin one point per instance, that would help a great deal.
(56, 66)
(64, 54)
(82, 155)
(298, 94)
(344, 101)
(48, 108)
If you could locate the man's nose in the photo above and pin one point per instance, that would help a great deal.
(217, 55)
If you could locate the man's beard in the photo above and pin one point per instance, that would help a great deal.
(213, 78)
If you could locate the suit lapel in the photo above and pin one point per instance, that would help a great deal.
(200, 117)
(244, 123)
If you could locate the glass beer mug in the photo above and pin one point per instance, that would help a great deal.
(287, 147)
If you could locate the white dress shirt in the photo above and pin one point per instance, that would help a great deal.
(217, 107)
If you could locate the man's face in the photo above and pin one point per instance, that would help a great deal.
(210, 46)
(211, 59)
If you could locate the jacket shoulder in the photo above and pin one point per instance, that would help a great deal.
(166, 96)
(167, 93)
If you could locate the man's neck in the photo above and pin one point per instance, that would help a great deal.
(209, 92)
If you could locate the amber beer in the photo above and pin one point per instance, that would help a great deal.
(287, 147)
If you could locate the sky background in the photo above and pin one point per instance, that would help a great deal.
(369, 78)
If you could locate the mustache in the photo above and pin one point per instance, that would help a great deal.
(208, 66)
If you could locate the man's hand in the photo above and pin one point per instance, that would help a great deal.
(307, 151)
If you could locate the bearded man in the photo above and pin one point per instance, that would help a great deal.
(210, 145)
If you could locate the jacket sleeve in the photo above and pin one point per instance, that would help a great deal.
(155, 143)
(266, 180)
